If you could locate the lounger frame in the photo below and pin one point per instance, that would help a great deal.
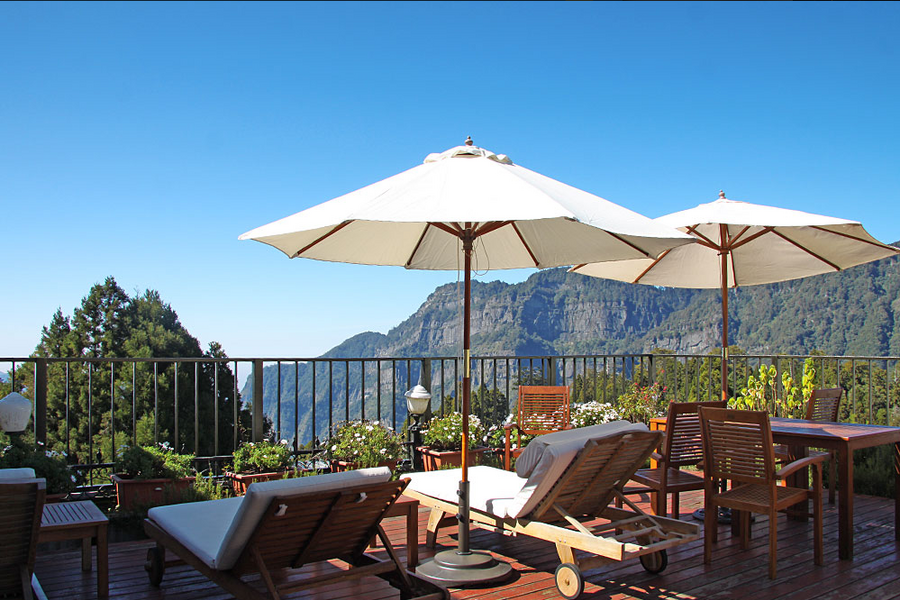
(305, 528)
(565, 516)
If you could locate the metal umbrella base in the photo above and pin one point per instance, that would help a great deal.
(455, 569)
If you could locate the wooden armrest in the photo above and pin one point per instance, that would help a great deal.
(658, 457)
(799, 464)
(510, 426)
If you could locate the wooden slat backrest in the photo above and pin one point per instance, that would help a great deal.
(683, 443)
(738, 445)
(603, 465)
(21, 505)
(824, 404)
(307, 528)
(543, 408)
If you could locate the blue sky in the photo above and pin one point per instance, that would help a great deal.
(139, 140)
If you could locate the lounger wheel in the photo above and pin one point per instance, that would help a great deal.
(655, 562)
(155, 566)
(569, 581)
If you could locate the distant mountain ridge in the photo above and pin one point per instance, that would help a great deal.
(553, 312)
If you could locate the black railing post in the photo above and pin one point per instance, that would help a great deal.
(40, 400)
(257, 407)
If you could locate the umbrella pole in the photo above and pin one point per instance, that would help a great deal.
(724, 256)
(463, 566)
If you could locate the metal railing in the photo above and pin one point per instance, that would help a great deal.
(88, 407)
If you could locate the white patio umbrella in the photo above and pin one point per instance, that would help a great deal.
(463, 205)
(747, 244)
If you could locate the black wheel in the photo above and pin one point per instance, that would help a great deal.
(655, 562)
(155, 566)
(569, 581)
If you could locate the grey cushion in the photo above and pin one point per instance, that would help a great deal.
(19, 473)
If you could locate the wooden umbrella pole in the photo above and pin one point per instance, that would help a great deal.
(463, 515)
(723, 254)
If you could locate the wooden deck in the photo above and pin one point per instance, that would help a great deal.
(874, 573)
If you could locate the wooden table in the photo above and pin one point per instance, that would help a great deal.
(843, 438)
(80, 520)
(409, 508)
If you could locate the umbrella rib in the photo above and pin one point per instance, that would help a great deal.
(854, 238)
(692, 230)
(456, 231)
(653, 264)
(629, 244)
(736, 245)
(807, 250)
(732, 240)
(322, 238)
(525, 244)
(418, 245)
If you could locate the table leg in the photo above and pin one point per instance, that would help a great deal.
(799, 479)
(102, 562)
(86, 553)
(845, 504)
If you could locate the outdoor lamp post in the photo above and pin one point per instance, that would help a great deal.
(15, 412)
(418, 400)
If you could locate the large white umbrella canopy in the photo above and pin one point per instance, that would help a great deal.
(462, 208)
(740, 243)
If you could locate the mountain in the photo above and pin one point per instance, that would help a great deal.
(854, 312)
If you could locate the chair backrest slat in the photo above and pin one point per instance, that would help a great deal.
(684, 444)
(824, 404)
(21, 506)
(543, 408)
(738, 445)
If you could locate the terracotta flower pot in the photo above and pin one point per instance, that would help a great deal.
(437, 459)
(240, 481)
(131, 493)
(338, 466)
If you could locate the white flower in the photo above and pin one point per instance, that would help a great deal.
(334, 447)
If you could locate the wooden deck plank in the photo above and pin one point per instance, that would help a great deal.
(874, 574)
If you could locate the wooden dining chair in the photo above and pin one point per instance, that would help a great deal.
(542, 409)
(681, 447)
(21, 506)
(737, 446)
(824, 405)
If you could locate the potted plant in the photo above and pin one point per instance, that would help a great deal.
(443, 442)
(260, 461)
(48, 464)
(148, 475)
(361, 444)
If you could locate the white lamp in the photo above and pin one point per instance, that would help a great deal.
(15, 412)
(418, 400)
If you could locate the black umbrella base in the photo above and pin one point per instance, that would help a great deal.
(724, 515)
(453, 569)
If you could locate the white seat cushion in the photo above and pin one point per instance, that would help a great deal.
(506, 494)
(18, 473)
(217, 530)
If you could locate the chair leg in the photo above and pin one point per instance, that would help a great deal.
(745, 528)
(661, 503)
(710, 528)
(773, 543)
(676, 510)
(817, 513)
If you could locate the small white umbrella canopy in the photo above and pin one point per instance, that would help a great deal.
(467, 205)
(740, 243)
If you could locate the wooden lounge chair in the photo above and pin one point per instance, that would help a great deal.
(681, 447)
(541, 409)
(560, 492)
(21, 505)
(278, 527)
(737, 446)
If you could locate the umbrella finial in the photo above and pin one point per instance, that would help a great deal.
(722, 195)
(469, 141)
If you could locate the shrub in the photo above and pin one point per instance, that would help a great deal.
(641, 403)
(445, 433)
(48, 464)
(365, 443)
(263, 457)
(153, 462)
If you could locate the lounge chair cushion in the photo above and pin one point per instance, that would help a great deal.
(507, 495)
(216, 531)
(534, 451)
(18, 473)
